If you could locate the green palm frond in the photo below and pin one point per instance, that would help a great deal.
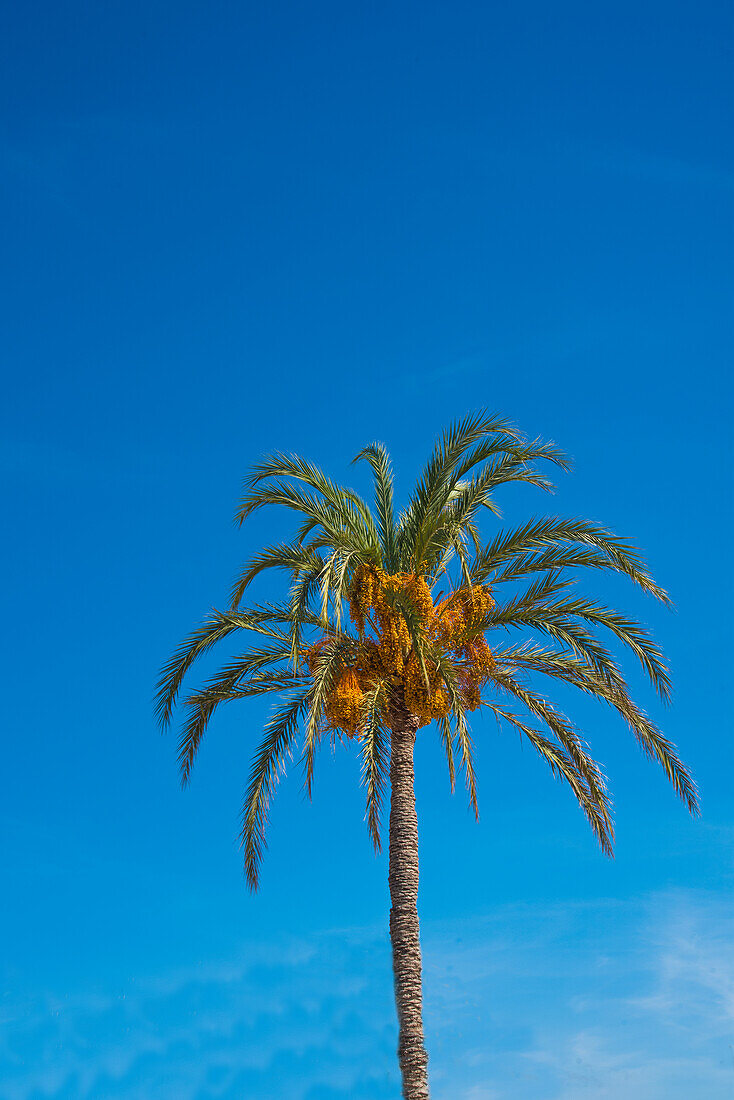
(630, 633)
(658, 747)
(444, 495)
(580, 674)
(293, 558)
(447, 740)
(584, 676)
(270, 759)
(462, 742)
(466, 497)
(374, 741)
(537, 608)
(561, 557)
(439, 476)
(236, 681)
(553, 532)
(265, 618)
(559, 619)
(567, 737)
(342, 580)
(318, 513)
(330, 661)
(562, 765)
(334, 506)
(515, 448)
(300, 595)
(213, 630)
(298, 469)
(577, 640)
(376, 455)
(534, 597)
(449, 538)
(561, 664)
(465, 748)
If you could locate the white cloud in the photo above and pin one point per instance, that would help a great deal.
(562, 1002)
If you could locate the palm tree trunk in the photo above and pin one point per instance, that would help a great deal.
(404, 929)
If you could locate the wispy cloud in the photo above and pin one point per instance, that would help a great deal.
(541, 1003)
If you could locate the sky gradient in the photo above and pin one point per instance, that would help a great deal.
(230, 229)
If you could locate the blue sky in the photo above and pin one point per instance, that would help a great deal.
(234, 228)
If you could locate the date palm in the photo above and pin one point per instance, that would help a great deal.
(392, 622)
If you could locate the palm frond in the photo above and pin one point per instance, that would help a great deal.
(563, 766)
(559, 558)
(503, 458)
(262, 617)
(462, 737)
(329, 662)
(379, 460)
(301, 591)
(435, 483)
(293, 558)
(374, 741)
(341, 585)
(556, 532)
(614, 692)
(236, 681)
(568, 738)
(447, 740)
(516, 450)
(345, 504)
(585, 677)
(280, 733)
(629, 632)
(559, 618)
(213, 630)
(655, 745)
(569, 634)
(298, 469)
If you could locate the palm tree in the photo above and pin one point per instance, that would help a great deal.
(392, 622)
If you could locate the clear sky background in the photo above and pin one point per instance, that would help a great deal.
(232, 228)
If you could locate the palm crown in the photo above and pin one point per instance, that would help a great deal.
(407, 611)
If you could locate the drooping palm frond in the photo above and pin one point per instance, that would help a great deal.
(535, 613)
(215, 629)
(324, 670)
(228, 686)
(335, 508)
(462, 741)
(581, 674)
(293, 558)
(447, 740)
(563, 766)
(569, 740)
(270, 759)
(630, 633)
(268, 618)
(347, 504)
(555, 533)
(374, 743)
(301, 593)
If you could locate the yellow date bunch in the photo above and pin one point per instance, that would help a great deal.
(386, 652)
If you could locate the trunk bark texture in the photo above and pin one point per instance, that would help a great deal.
(404, 930)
